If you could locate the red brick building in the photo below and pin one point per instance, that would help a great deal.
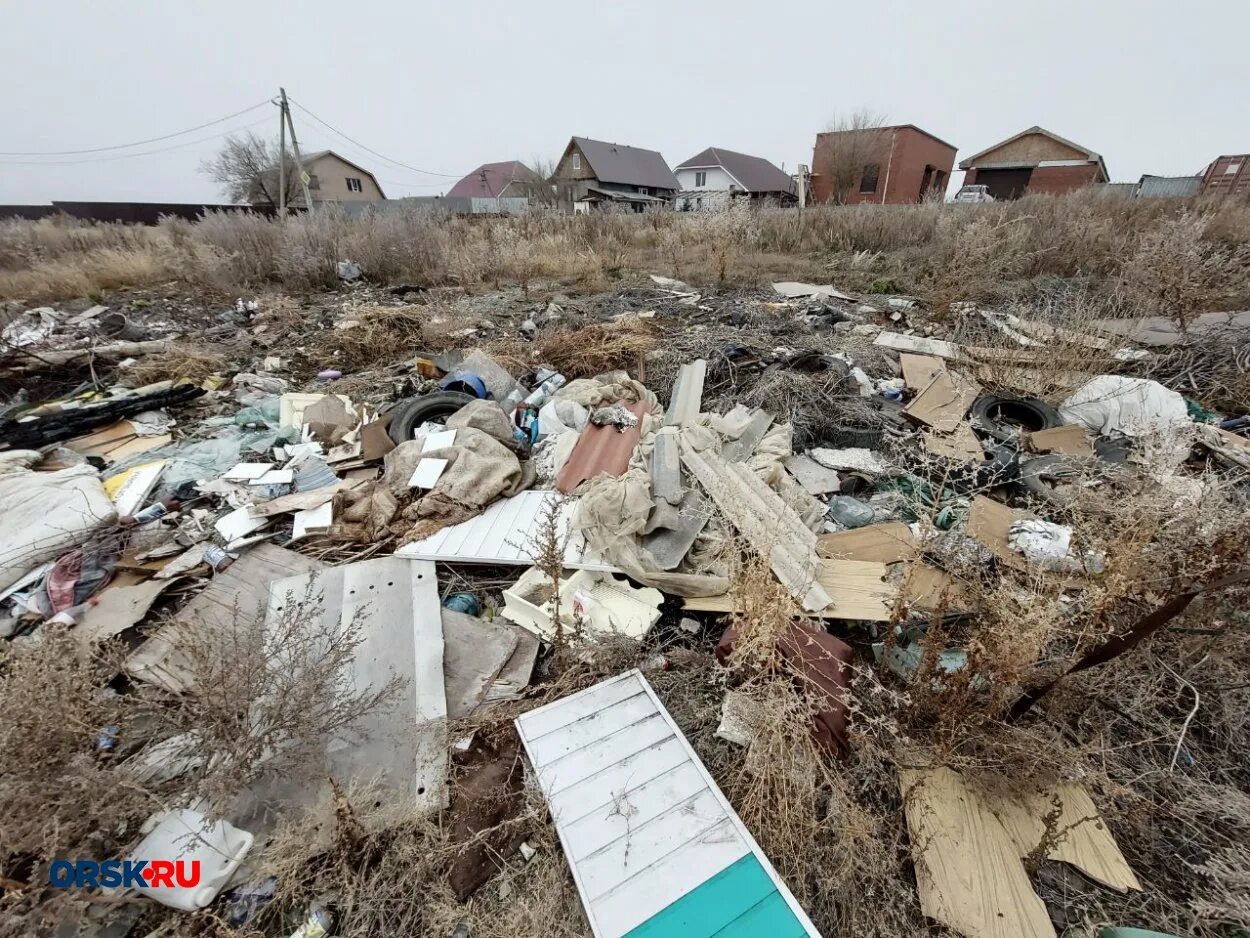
(1033, 161)
(1228, 175)
(900, 164)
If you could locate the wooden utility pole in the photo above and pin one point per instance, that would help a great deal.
(282, 158)
(299, 163)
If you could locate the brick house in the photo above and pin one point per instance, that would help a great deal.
(594, 175)
(1034, 161)
(1227, 175)
(900, 164)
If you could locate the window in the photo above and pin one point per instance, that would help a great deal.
(314, 182)
(643, 190)
(700, 179)
(577, 161)
(1232, 169)
(353, 184)
(868, 182)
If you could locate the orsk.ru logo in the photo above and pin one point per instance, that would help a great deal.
(129, 874)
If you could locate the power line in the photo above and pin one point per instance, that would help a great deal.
(382, 156)
(138, 143)
(129, 156)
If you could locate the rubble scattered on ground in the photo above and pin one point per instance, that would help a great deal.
(367, 552)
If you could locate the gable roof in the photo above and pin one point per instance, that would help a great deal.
(919, 130)
(1089, 154)
(627, 166)
(490, 179)
(753, 173)
(310, 158)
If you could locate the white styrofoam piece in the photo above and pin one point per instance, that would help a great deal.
(438, 440)
(640, 820)
(246, 471)
(291, 407)
(312, 521)
(604, 604)
(504, 534)
(427, 473)
(275, 477)
(185, 834)
(238, 523)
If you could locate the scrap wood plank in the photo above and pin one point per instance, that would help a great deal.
(241, 590)
(916, 343)
(399, 748)
(857, 590)
(968, 870)
(1070, 439)
(881, 543)
(928, 588)
(961, 444)
(943, 402)
(654, 847)
(772, 527)
(918, 370)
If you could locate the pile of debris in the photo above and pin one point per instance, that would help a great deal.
(149, 518)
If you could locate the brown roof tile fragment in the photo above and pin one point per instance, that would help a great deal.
(602, 451)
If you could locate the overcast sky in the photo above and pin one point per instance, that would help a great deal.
(1154, 87)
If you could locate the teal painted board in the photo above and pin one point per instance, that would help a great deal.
(770, 918)
(653, 845)
(716, 903)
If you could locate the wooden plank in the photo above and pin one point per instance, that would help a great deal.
(943, 402)
(968, 870)
(919, 370)
(554, 777)
(647, 843)
(878, 543)
(928, 588)
(989, 523)
(569, 709)
(666, 881)
(631, 807)
(592, 727)
(718, 904)
(1070, 439)
(1086, 843)
(856, 589)
(629, 772)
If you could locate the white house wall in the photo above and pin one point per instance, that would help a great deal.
(717, 179)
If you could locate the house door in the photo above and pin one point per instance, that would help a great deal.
(926, 180)
(1004, 184)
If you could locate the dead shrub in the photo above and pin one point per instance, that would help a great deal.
(380, 334)
(600, 347)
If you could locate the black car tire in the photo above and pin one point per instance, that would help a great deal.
(439, 405)
(1004, 417)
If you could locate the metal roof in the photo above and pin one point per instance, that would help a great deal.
(490, 179)
(753, 173)
(1176, 187)
(627, 166)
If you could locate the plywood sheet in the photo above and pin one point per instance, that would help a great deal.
(1070, 439)
(943, 402)
(654, 847)
(968, 869)
(919, 370)
(474, 653)
(960, 444)
(856, 588)
(927, 588)
(877, 543)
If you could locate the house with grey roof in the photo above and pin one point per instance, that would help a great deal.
(712, 179)
(592, 175)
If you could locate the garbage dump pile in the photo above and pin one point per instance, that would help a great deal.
(496, 514)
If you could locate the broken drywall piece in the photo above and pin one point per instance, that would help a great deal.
(399, 749)
(238, 524)
(792, 290)
(427, 473)
(850, 459)
(651, 841)
(292, 407)
(917, 344)
(811, 475)
(739, 718)
(686, 399)
(312, 521)
(773, 528)
(247, 471)
(666, 466)
(274, 477)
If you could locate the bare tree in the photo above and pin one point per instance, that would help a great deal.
(539, 189)
(851, 152)
(246, 168)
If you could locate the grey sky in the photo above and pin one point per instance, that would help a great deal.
(1155, 87)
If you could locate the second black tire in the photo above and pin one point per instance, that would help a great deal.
(437, 406)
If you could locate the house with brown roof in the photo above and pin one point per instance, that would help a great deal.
(897, 164)
(713, 178)
(595, 175)
(1034, 161)
(332, 178)
(510, 179)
